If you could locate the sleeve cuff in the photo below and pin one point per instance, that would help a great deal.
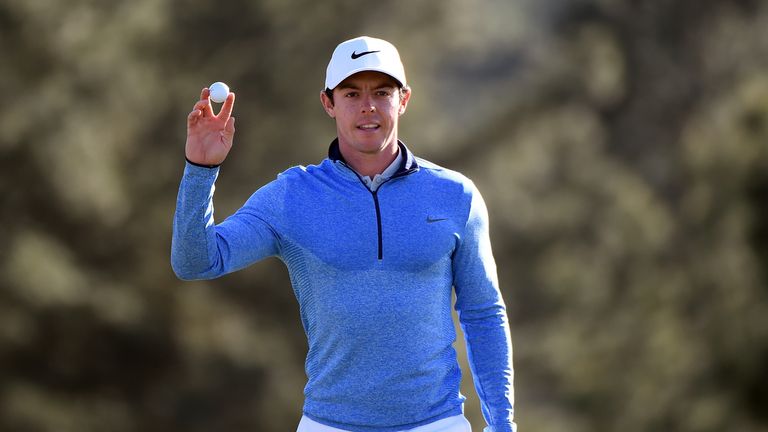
(200, 173)
(201, 165)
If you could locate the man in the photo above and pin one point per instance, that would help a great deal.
(374, 239)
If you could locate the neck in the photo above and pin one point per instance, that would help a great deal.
(370, 164)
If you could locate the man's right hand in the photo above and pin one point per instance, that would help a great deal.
(209, 136)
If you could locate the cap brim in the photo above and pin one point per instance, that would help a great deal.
(364, 69)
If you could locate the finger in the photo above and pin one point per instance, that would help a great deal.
(204, 108)
(226, 109)
(200, 105)
(204, 105)
(229, 128)
(193, 116)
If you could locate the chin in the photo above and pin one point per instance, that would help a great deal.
(370, 146)
(371, 149)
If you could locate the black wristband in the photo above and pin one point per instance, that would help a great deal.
(201, 165)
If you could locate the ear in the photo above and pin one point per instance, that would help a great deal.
(327, 104)
(406, 96)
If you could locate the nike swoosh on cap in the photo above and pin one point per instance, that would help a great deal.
(356, 56)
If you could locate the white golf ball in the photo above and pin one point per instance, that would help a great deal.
(219, 91)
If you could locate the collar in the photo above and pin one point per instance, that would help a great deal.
(408, 163)
(393, 167)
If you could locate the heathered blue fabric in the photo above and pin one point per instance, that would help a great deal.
(379, 331)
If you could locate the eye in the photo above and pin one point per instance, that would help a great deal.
(350, 94)
(383, 93)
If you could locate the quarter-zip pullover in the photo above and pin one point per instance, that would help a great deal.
(372, 272)
(374, 183)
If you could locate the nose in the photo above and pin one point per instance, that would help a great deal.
(367, 105)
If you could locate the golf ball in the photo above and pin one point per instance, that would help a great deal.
(219, 91)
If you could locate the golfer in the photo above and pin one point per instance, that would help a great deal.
(375, 239)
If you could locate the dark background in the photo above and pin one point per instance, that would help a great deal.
(621, 146)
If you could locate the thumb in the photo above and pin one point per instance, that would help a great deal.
(229, 128)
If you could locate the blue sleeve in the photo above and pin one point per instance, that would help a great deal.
(200, 249)
(483, 318)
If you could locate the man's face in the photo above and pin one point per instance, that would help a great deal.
(366, 107)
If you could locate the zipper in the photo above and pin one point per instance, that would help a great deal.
(378, 220)
(376, 203)
(378, 208)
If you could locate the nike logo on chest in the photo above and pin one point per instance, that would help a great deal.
(431, 219)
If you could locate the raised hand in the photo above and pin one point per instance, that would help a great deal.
(209, 135)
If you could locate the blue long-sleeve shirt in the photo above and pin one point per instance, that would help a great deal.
(373, 273)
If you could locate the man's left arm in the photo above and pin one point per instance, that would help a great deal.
(483, 318)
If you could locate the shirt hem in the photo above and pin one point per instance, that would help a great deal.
(397, 428)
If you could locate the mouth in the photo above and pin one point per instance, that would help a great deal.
(368, 127)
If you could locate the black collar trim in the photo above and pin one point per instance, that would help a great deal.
(407, 166)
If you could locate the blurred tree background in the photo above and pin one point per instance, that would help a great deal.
(622, 148)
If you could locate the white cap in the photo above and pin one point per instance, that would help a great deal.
(363, 54)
